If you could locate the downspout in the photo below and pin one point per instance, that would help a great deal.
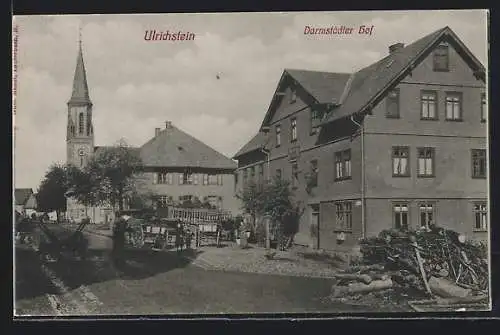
(363, 210)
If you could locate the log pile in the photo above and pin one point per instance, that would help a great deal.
(361, 279)
(437, 263)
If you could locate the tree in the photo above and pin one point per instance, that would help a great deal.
(81, 186)
(51, 193)
(110, 175)
(276, 200)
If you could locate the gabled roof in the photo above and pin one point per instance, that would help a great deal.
(174, 148)
(22, 195)
(31, 202)
(99, 149)
(80, 93)
(369, 84)
(323, 87)
(259, 141)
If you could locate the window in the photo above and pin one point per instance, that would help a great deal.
(186, 178)
(428, 101)
(184, 198)
(252, 173)
(245, 176)
(392, 104)
(480, 217)
(295, 175)
(343, 215)
(293, 96)
(293, 130)
(314, 173)
(278, 135)
(72, 130)
(343, 165)
(164, 201)
(478, 163)
(400, 161)
(165, 178)
(81, 124)
(278, 173)
(261, 172)
(441, 58)
(425, 162)
(216, 179)
(315, 118)
(484, 109)
(400, 214)
(426, 214)
(212, 179)
(453, 106)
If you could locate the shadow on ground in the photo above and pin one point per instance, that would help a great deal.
(30, 281)
(98, 266)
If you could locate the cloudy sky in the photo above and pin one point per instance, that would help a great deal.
(136, 85)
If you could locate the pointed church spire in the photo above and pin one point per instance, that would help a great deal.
(80, 92)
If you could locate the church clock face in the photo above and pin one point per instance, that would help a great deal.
(81, 155)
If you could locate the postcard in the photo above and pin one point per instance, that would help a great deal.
(251, 163)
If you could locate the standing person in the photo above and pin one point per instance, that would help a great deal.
(119, 240)
(178, 237)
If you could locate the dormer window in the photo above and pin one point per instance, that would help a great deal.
(441, 58)
(293, 96)
(392, 103)
(315, 119)
(293, 130)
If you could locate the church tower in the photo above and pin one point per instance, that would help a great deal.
(80, 131)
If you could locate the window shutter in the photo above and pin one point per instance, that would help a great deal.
(155, 178)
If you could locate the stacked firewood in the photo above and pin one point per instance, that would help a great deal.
(434, 261)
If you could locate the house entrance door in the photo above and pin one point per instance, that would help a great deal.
(315, 226)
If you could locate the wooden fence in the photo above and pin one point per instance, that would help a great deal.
(197, 215)
(204, 222)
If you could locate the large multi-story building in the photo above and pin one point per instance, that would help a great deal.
(400, 143)
(177, 167)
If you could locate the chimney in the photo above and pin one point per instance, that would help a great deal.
(168, 124)
(157, 131)
(395, 47)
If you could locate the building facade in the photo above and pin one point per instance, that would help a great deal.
(400, 143)
(177, 167)
(25, 201)
(181, 170)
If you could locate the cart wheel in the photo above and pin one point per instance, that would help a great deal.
(137, 238)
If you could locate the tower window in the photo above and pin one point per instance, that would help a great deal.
(81, 123)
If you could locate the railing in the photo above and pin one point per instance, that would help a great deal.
(197, 215)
